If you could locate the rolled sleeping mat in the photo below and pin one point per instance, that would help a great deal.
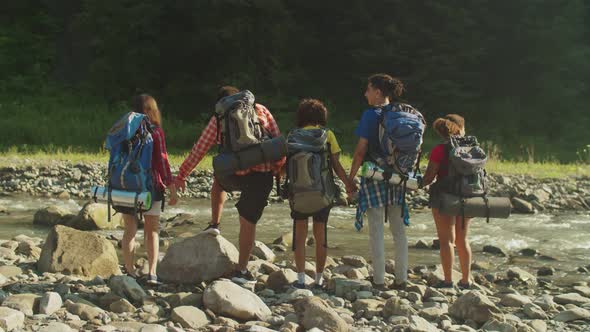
(373, 172)
(122, 198)
(500, 207)
(227, 163)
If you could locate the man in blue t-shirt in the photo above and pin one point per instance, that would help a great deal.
(375, 197)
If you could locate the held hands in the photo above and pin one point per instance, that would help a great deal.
(351, 189)
(180, 184)
(173, 195)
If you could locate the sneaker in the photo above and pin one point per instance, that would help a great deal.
(212, 229)
(318, 287)
(464, 285)
(400, 286)
(131, 273)
(152, 279)
(443, 284)
(380, 287)
(246, 275)
(298, 285)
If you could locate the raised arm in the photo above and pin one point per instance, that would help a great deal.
(207, 139)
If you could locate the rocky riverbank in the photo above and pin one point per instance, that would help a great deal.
(528, 194)
(71, 281)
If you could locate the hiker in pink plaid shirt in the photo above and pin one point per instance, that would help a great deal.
(255, 182)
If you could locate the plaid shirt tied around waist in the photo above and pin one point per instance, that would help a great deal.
(373, 194)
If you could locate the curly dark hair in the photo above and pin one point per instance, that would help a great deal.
(311, 112)
(389, 86)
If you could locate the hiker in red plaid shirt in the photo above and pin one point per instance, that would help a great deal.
(255, 183)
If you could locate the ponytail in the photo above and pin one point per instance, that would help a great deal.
(389, 86)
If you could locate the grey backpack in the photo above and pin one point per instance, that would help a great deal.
(467, 160)
(238, 120)
(310, 182)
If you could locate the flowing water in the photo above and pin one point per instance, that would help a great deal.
(565, 237)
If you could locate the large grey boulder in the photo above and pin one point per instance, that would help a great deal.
(189, 317)
(225, 298)
(70, 251)
(475, 306)
(203, 257)
(313, 312)
(52, 215)
(94, 216)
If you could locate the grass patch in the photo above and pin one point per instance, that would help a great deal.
(538, 169)
(14, 156)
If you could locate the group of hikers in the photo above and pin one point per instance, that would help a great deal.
(379, 200)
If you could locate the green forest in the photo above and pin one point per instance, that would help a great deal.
(517, 70)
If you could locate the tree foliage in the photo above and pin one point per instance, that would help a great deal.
(517, 70)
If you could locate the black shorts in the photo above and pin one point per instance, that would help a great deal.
(321, 216)
(254, 190)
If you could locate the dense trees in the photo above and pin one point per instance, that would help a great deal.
(516, 69)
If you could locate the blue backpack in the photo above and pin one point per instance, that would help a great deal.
(400, 133)
(130, 163)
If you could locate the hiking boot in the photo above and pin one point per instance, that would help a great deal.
(212, 229)
(244, 275)
(296, 284)
(443, 284)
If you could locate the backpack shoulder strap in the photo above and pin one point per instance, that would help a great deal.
(447, 149)
(219, 136)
